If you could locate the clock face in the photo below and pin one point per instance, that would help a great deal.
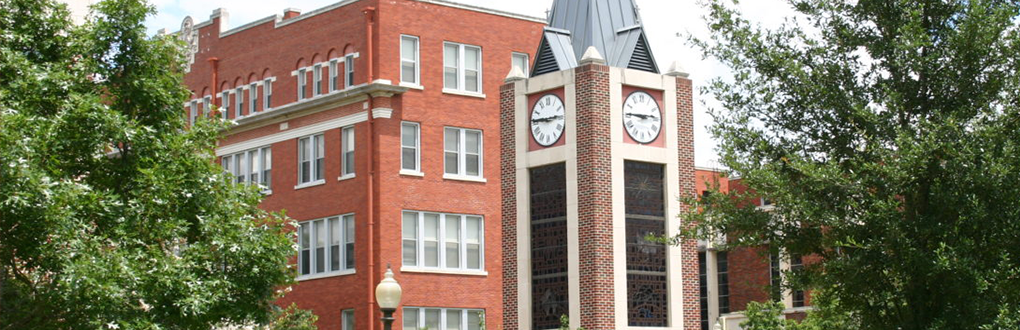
(547, 120)
(641, 117)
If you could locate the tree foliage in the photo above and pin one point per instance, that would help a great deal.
(888, 134)
(113, 214)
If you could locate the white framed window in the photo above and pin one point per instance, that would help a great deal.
(520, 60)
(334, 74)
(311, 159)
(251, 167)
(462, 152)
(416, 318)
(409, 60)
(443, 241)
(462, 67)
(192, 112)
(253, 97)
(206, 105)
(302, 83)
(347, 152)
(410, 147)
(349, 70)
(347, 317)
(239, 100)
(267, 94)
(317, 80)
(225, 108)
(326, 246)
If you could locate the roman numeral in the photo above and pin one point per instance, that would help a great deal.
(559, 127)
(630, 124)
(655, 127)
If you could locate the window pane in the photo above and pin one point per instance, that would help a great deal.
(453, 319)
(408, 48)
(472, 164)
(320, 246)
(451, 163)
(242, 167)
(267, 166)
(452, 139)
(432, 318)
(408, 135)
(348, 320)
(431, 240)
(520, 61)
(474, 321)
(450, 55)
(452, 239)
(471, 80)
(473, 232)
(474, 256)
(320, 158)
(349, 241)
(450, 78)
(473, 141)
(254, 169)
(410, 319)
(408, 159)
(410, 235)
(407, 72)
(306, 253)
(472, 58)
(473, 240)
(334, 244)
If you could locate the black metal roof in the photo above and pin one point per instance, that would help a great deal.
(613, 27)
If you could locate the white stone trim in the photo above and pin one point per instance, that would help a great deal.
(325, 275)
(382, 113)
(294, 133)
(408, 269)
(463, 93)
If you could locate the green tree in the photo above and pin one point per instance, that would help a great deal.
(888, 134)
(112, 213)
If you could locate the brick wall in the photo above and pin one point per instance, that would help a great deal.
(508, 178)
(688, 248)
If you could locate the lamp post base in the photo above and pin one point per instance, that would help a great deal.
(387, 319)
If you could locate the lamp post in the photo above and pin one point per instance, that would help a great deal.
(387, 294)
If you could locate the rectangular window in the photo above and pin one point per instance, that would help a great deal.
(462, 67)
(775, 278)
(797, 265)
(239, 98)
(349, 70)
(251, 166)
(192, 112)
(225, 108)
(317, 80)
(311, 157)
(302, 83)
(442, 241)
(334, 74)
(463, 152)
(347, 151)
(206, 105)
(409, 147)
(253, 97)
(520, 60)
(348, 319)
(723, 276)
(267, 94)
(326, 245)
(409, 60)
(416, 318)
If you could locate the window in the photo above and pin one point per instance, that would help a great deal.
(520, 60)
(443, 318)
(317, 79)
(348, 319)
(462, 67)
(267, 94)
(192, 112)
(442, 241)
(225, 109)
(326, 245)
(797, 265)
(349, 70)
(347, 152)
(463, 152)
(311, 157)
(410, 158)
(775, 278)
(253, 96)
(723, 277)
(334, 75)
(252, 166)
(206, 105)
(409, 60)
(703, 289)
(239, 109)
(302, 82)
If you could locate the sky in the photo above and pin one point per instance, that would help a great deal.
(667, 23)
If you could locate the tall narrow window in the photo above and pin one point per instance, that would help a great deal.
(463, 152)
(192, 112)
(775, 277)
(349, 70)
(255, 167)
(444, 241)
(409, 146)
(267, 168)
(206, 105)
(225, 108)
(302, 83)
(548, 242)
(267, 94)
(317, 80)
(348, 319)
(703, 288)
(462, 67)
(311, 156)
(253, 96)
(520, 61)
(409, 60)
(326, 245)
(645, 214)
(347, 152)
(241, 164)
(334, 75)
(239, 97)
(723, 275)
(797, 265)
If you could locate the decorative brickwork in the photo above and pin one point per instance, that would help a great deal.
(594, 192)
(688, 248)
(508, 180)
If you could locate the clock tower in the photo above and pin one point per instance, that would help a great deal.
(596, 152)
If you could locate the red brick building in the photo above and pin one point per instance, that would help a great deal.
(375, 124)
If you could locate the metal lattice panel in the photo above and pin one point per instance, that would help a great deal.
(645, 208)
(549, 281)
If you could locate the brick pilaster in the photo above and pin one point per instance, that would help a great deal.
(688, 247)
(594, 190)
(508, 180)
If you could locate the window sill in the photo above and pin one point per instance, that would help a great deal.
(310, 184)
(325, 275)
(412, 173)
(345, 177)
(463, 93)
(412, 86)
(267, 192)
(464, 178)
(444, 271)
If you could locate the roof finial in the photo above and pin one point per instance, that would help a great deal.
(677, 70)
(592, 56)
(515, 74)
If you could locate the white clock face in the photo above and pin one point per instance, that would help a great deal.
(641, 117)
(547, 120)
